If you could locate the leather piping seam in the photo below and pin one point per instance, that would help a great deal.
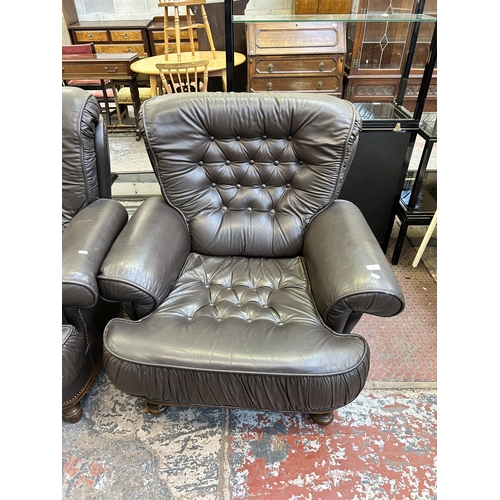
(132, 285)
(82, 285)
(363, 292)
(362, 360)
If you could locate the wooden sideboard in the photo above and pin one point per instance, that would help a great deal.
(113, 37)
(295, 57)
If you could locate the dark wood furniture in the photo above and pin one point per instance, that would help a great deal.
(378, 51)
(296, 57)
(112, 37)
(105, 66)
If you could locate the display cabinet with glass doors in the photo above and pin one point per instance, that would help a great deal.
(377, 52)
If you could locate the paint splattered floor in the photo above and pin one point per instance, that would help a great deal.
(381, 446)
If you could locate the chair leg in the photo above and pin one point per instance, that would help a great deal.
(323, 418)
(399, 243)
(155, 408)
(73, 413)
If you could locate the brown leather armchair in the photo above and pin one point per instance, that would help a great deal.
(244, 280)
(90, 224)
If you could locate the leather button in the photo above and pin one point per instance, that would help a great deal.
(251, 162)
(228, 162)
(200, 163)
(238, 138)
(263, 186)
(289, 138)
(218, 319)
(249, 209)
(272, 211)
(301, 162)
(238, 186)
(212, 138)
(214, 185)
(224, 209)
(276, 162)
(249, 320)
(264, 137)
(279, 323)
(288, 185)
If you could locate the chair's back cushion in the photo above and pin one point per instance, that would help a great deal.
(249, 171)
(80, 116)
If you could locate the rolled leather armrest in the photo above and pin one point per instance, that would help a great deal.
(348, 272)
(85, 242)
(146, 258)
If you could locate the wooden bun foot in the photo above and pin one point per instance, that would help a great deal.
(156, 408)
(324, 418)
(73, 414)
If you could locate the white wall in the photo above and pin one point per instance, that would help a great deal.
(108, 10)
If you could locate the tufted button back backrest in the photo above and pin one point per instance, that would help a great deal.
(80, 117)
(249, 172)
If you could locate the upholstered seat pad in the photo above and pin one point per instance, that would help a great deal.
(238, 315)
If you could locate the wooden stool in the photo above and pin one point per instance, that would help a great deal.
(177, 28)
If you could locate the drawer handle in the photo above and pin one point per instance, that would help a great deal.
(125, 35)
(269, 85)
(129, 49)
(91, 35)
(110, 70)
(322, 66)
(320, 85)
(270, 67)
(340, 65)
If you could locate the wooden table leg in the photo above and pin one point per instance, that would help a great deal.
(136, 102)
(153, 83)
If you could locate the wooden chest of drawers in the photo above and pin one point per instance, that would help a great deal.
(296, 57)
(113, 37)
(157, 37)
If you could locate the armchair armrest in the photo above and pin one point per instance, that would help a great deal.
(85, 242)
(146, 258)
(348, 272)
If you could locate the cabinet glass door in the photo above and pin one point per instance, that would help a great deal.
(424, 38)
(383, 45)
(378, 46)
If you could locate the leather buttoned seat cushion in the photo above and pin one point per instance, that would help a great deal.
(237, 332)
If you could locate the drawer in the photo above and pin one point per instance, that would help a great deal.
(126, 36)
(304, 83)
(97, 69)
(159, 35)
(91, 36)
(367, 90)
(321, 64)
(185, 47)
(120, 48)
(299, 38)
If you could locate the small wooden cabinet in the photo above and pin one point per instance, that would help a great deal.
(113, 37)
(156, 36)
(295, 56)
